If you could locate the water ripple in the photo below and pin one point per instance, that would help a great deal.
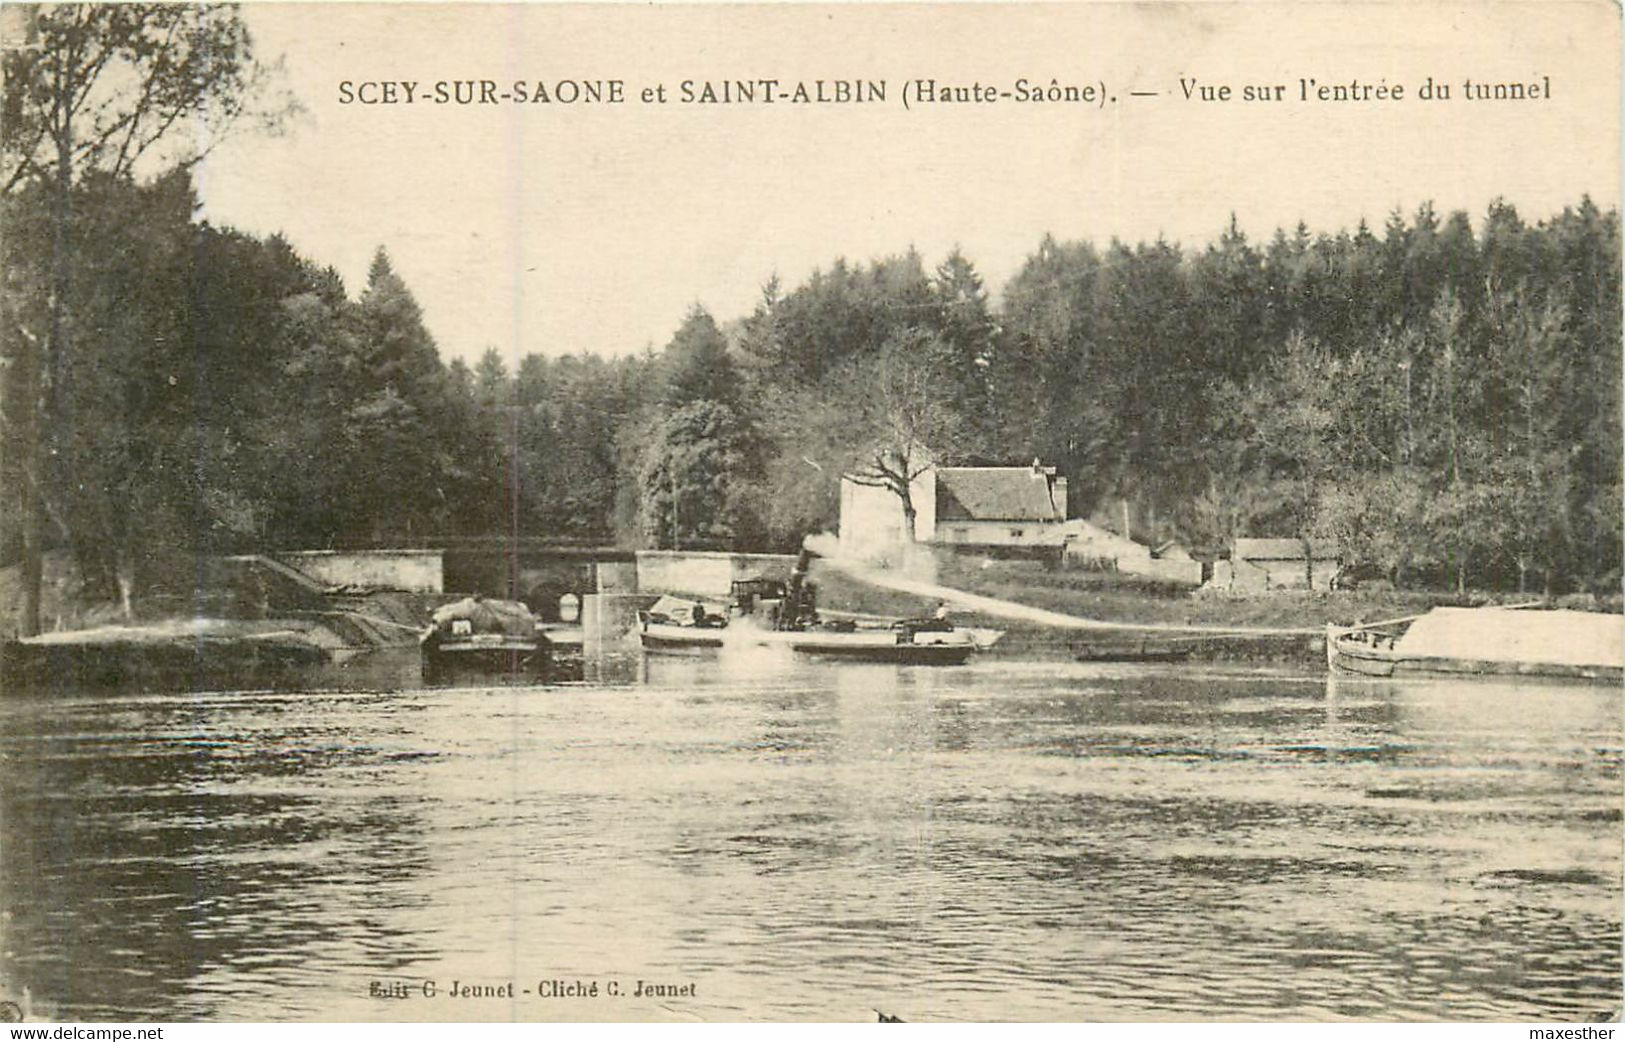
(1022, 842)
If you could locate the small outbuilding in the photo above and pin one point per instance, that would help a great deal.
(1279, 564)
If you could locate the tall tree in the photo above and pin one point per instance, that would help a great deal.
(695, 471)
(397, 456)
(967, 336)
(902, 416)
(99, 89)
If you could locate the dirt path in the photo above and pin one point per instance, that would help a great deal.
(1026, 613)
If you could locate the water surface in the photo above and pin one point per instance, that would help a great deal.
(807, 841)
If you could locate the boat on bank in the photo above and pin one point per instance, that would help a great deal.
(1484, 642)
(1125, 649)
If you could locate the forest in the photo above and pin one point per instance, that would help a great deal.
(1443, 401)
(1440, 396)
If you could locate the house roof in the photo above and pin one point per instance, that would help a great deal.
(1281, 550)
(996, 494)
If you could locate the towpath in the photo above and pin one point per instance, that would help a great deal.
(1027, 613)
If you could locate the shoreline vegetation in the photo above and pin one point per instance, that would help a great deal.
(222, 636)
(1438, 400)
(1443, 401)
(1439, 394)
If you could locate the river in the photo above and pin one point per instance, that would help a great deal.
(783, 840)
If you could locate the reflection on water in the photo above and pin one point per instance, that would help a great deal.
(805, 841)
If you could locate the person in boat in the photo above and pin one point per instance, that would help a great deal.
(807, 609)
(941, 614)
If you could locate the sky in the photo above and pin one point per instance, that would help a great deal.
(560, 228)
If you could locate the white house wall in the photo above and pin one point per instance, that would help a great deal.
(999, 533)
(872, 517)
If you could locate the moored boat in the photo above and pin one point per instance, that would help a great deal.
(476, 637)
(1124, 650)
(1484, 642)
(767, 613)
(908, 642)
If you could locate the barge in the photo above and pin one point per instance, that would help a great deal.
(483, 639)
(1484, 642)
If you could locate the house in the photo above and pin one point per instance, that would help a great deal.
(1088, 545)
(990, 509)
(1277, 564)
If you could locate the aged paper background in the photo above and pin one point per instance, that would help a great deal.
(513, 222)
(565, 227)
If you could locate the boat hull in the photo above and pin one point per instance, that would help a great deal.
(518, 660)
(861, 646)
(1354, 657)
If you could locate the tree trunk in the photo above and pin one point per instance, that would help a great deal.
(909, 513)
(27, 406)
(126, 583)
(33, 514)
(40, 381)
(676, 532)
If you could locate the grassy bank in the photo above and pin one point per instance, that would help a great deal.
(1119, 598)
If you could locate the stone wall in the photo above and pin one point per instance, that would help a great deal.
(420, 571)
(703, 573)
(1167, 569)
(1001, 533)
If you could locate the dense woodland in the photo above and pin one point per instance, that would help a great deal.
(1441, 398)
(1444, 400)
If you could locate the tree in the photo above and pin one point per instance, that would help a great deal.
(693, 472)
(402, 439)
(839, 314)
(1533, 385)
(902, 415)
(697, 364)
(1043, 377)
(968, 340)
(1449, 395)
(99, 89)
(703, 452)
(1299, 419)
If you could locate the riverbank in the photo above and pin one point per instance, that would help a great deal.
(190, 653)
(1057, 613)
(1044, 613)
(219, 627)
(1120, 598)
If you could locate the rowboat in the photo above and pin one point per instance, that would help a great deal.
(901, 643)
(1483, 642)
